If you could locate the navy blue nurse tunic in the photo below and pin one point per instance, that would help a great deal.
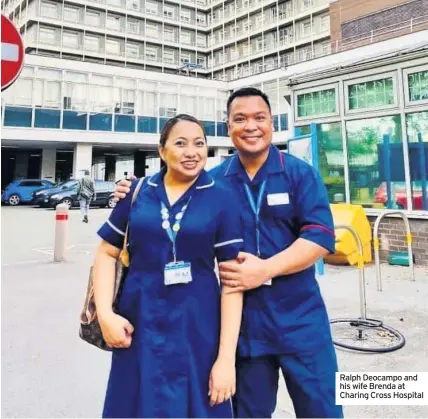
(165, 372)
(285, 325)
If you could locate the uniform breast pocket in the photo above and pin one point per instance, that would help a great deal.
(283, 222)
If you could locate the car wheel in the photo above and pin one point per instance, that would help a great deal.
(111, 203)
(14, 200)
(67, 201)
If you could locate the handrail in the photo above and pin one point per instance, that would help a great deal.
(363, 304)
(376, 244)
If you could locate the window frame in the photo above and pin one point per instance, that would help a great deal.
(321, 88)
(360, 80)
(406, 74)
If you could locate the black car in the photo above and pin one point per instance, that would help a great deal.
(41, 198)
(103, 196)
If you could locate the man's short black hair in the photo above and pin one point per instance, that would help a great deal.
(247, 92)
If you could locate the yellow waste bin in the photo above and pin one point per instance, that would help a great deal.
(346, 248)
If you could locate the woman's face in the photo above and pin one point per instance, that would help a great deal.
(185, 152)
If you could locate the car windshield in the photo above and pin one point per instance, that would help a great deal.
(67, 184)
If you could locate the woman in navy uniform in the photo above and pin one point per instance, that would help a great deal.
(288, 226)
(176, 331)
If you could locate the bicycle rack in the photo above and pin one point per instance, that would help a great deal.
(366, 328)
(376, 244)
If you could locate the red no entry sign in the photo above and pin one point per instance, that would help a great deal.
(12, 53)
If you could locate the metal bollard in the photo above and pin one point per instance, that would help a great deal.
(61, 230)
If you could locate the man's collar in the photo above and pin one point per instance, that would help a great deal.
(275, 163)
(204, 181)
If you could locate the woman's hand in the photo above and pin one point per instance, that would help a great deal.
(222, 385)
(116, 330)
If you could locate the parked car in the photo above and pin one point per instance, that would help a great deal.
(41, 197)
(21, 190)
(400, 198)
(103, 196)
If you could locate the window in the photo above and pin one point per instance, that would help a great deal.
(49, 9)
(151, 29)
(31, 183)
(325, 48)
(201, 61)
(185, 58)
(112, 46)
(366, 160)
(127, 105)
(325, 22)
(92, 43)
(417, 134)
(260, 19)
(151, 8)
(132, 50)
(71, 14)
(168, 34)
(201, 40)
(307, 4)
(245, 48)
(306, 28)
(185, 16)
(151, 53)
(70, 39)
(234, 53)
(247, 26)
(371, 94)
(113, 23)
(133, 26)
(201, 20)
(133, 4)
(93, 18)
(168, 57)
(168, 12)
(47, 35)
(260, 44)
(316, 103)
(418, 86)
(185, 37)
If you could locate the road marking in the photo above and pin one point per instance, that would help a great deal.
(25, 262)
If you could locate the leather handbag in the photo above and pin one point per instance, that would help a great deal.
(90, 329)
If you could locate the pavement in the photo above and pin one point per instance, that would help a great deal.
(48, 371)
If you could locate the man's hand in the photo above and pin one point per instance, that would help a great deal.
(251, 272)
(123, 188)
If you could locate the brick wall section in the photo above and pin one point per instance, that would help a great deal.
(392, 234)
(388, 17)
(343, 11)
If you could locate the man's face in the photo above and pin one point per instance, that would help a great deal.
(250, 125)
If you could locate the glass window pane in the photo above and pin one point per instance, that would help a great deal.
(418, 86)
(417, 136)
(316, 103)
(376, 163)
(371, 94)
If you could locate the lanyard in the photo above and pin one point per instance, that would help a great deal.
(166, 225)
(256, 210)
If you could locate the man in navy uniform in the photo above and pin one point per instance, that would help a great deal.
(288, 227)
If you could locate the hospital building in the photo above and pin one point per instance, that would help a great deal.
(101, 78)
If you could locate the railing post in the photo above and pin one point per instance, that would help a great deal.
(371, 36)
(411, 25)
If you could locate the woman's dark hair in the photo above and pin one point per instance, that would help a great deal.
(166, 130)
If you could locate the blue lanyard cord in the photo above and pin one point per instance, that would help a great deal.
(256, 210)
(172, 232)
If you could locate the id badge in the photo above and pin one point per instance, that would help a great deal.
(268, 282)
(177, 273)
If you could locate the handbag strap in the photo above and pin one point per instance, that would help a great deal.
(134, 196)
